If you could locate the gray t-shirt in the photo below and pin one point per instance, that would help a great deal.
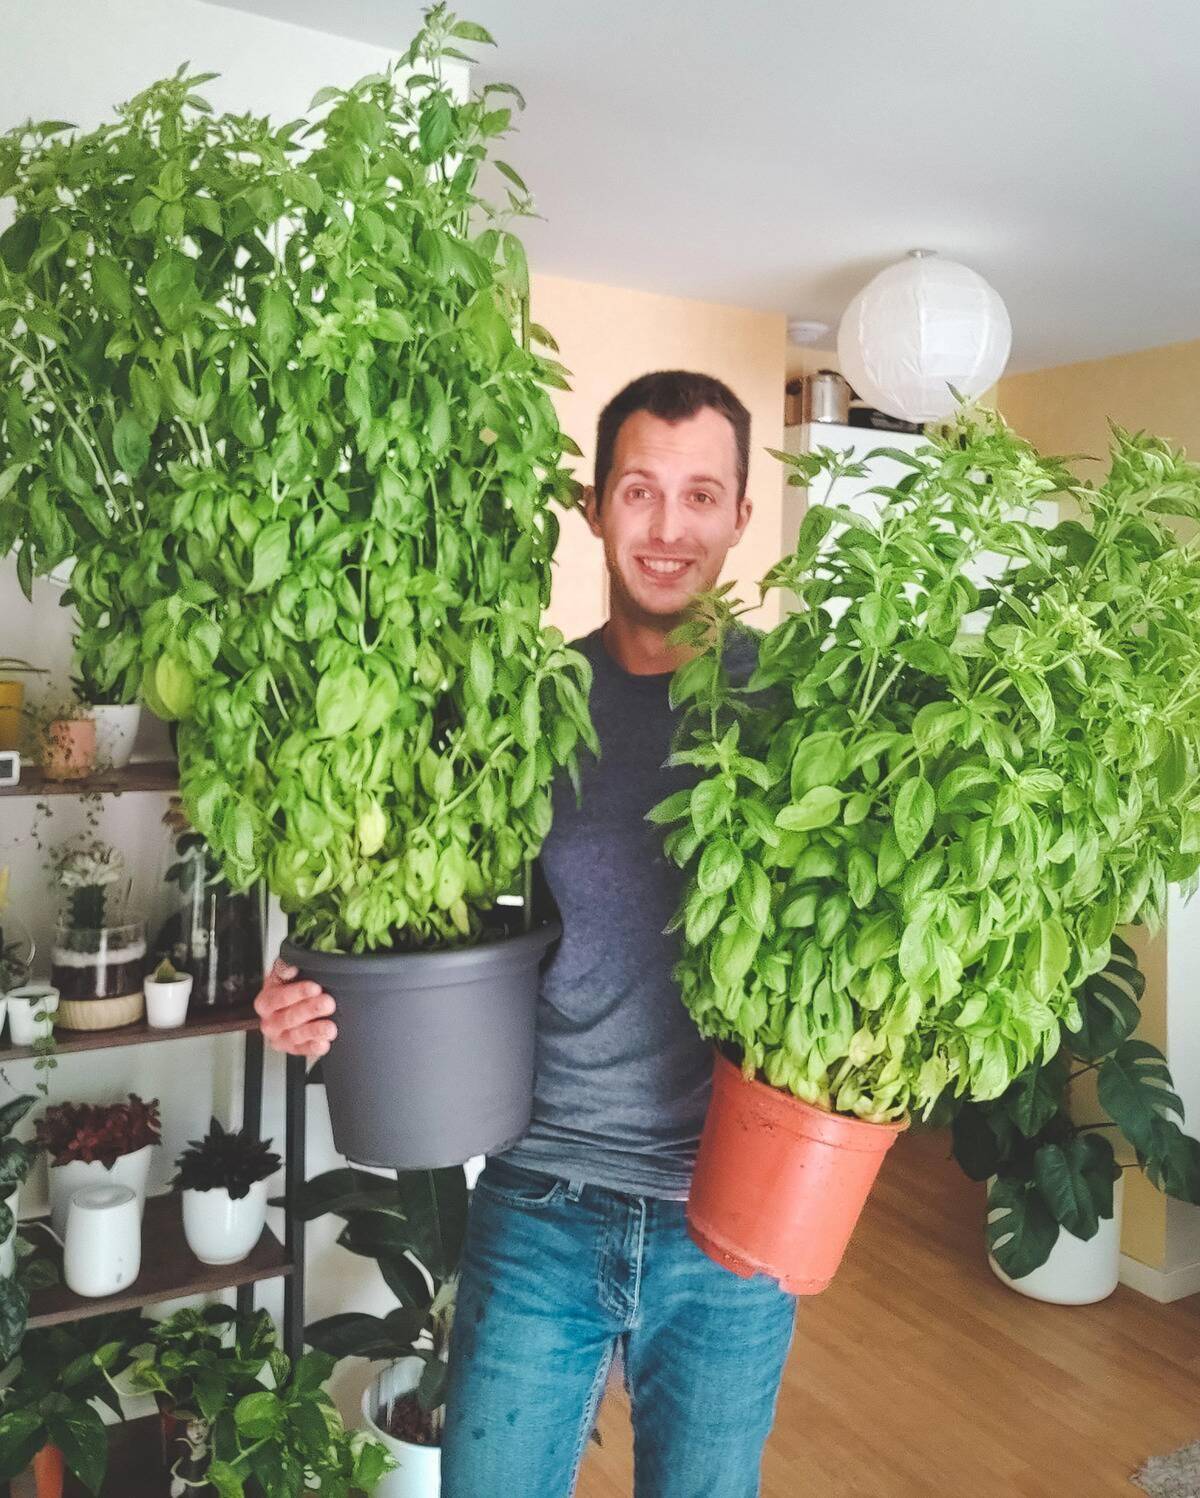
(623, 1076)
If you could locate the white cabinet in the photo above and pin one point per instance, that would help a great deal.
(883, 471)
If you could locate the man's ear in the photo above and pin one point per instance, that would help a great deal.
(591, 509)
(744, 510)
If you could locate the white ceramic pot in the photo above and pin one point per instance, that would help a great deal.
(418, 1473)
(116, 729)
(8, 1248)
(1078, 1272)
(30, 1011)
(127, 1170)
(102, 1246)
(167, 1003)
(3, 1011)
(221, 1230)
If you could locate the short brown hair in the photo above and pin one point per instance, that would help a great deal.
(671, 395)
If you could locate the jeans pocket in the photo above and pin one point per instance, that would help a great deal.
(513, 1186)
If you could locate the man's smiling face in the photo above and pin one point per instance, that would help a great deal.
(669, 513)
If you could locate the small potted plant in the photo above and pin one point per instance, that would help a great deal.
(115, 709)
(16, 1161)
(413, 1228)
(1054, 1183)
(242, 1417)
(96, 963)
(167, 993)
(50, 1421)
(912, 836)
(91, 1144)
(64, 738)
(31, 1010)
(223, 1181)
(12, 698)
(16, 949)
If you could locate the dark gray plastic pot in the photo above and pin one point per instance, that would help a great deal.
(433, 1060)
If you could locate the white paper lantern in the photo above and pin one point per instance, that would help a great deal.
(918, 328)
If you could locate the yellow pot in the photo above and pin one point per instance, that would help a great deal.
(12, 695)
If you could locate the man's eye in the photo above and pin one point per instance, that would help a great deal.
(703, 497)
(637, 492)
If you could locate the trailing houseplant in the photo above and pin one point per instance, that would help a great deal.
(20, 1272)
(1050, 1172)
(223, 1181)
(413, 1227)
(90, 1143)
(913, 842)
(254, 1423)
(48, 1415)
(299, 363)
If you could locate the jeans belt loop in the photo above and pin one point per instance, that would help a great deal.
(574, 1190)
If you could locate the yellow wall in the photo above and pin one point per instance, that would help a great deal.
(608, 336)
(1066, 410)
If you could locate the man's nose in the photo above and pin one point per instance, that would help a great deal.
(667, 524)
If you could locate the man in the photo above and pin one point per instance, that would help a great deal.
(577, 1245)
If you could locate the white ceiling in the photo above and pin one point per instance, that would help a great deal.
(777, 153)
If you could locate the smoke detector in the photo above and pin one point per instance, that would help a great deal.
(806, 330)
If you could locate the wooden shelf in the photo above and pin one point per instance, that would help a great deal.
(202, 1022)
(169, 1269)
(159, 775)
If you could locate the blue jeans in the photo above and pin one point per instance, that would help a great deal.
(556, 1276)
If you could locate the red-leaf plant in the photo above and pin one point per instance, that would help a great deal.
(98, 1131)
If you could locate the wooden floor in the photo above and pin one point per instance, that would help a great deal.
(918, 1375)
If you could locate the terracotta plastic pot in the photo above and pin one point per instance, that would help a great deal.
(48, 1472)
(70, 749)
(779, 1184)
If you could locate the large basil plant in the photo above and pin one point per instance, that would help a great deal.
(273, 388)
(913, 840)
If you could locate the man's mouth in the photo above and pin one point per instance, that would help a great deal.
(664, 569)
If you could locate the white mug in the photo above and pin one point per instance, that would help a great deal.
(102, 1251)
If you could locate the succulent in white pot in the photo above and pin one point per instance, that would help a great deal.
(167, 992)
(223, 1181)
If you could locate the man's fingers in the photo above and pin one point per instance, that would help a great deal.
(312, 1039)
(297, 1016)
(278, 998)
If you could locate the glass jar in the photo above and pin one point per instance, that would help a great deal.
(98, 973)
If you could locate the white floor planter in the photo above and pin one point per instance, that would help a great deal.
(116, 730)
(128, 1170)
(419, 1473)
(1077, 1273)
(221, 1230)
(8, 1248)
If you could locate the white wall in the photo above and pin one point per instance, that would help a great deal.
(73, 60)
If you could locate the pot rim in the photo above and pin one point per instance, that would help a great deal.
(370, 1403)
(435, 968)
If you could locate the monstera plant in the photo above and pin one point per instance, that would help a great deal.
(968, 754)
(275, 389)
(1049, 1171)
